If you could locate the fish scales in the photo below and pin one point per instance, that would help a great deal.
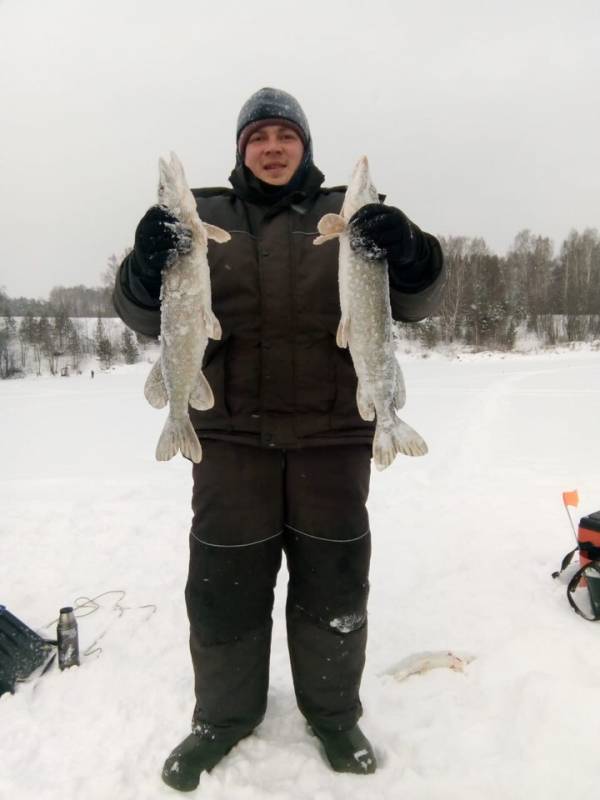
(187, 322)
(366, 328)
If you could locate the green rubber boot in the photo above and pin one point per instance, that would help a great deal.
(348, 751)
(194, 755)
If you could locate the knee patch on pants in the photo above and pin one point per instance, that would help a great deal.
(329, 580)
(229, 590)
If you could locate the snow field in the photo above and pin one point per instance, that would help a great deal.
(464, 543)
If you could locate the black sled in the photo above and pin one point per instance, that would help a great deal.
(22, 651)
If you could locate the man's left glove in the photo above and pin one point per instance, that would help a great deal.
(159, 238)
(378, 231)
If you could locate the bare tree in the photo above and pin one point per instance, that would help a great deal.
(454, 249)
(579, 277)
(104, 348)
(129, 350)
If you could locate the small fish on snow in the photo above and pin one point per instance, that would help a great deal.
(419, 663)
(186, 322)
(366, 328)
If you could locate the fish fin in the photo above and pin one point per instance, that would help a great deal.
(401, 439)
(366, 408)
(399, 388)
(320, 239)
(201, 397)
(331, 225)
(155, 390)
(212, 325)
(178, 435)
(216, 233)
(343, 332)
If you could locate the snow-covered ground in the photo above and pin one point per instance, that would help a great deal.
(465, 541)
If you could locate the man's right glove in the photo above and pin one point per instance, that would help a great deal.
(159, 238)
(380, 231)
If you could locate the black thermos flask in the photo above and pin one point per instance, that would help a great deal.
(68, 639)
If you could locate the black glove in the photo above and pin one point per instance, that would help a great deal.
(378, 231)
(159, 239)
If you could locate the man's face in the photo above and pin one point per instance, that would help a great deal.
(273, 153)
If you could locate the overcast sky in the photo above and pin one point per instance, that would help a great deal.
(480, 118)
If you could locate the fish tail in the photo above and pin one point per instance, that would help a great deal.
(399, 439)
(178, 434)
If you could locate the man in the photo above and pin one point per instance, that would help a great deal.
(286, 460)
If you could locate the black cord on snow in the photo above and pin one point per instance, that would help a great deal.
(85, 606)
(574, 583)
(565, 563)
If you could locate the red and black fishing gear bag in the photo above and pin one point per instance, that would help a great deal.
(588, 547)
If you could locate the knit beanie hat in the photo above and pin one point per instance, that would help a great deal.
(270, 106)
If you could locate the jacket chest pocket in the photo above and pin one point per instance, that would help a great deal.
(316, 276)
(234, 281)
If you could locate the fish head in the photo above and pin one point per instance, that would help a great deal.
(173, 190)
(360, 190)
(168, 184)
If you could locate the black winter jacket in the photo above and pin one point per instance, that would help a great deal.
(278, 377)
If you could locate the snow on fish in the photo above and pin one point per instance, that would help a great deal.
(186, 322)
(366, 327)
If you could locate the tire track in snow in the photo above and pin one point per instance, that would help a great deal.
(485, 421)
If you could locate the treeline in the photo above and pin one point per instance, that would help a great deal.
(488, 302)
(60, 345)
(76, 301)
(59, 335)
(488, 298)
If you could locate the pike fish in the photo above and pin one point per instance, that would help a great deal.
(366, 328)
(186, 322)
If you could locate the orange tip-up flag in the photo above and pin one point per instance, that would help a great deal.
(571, 498)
